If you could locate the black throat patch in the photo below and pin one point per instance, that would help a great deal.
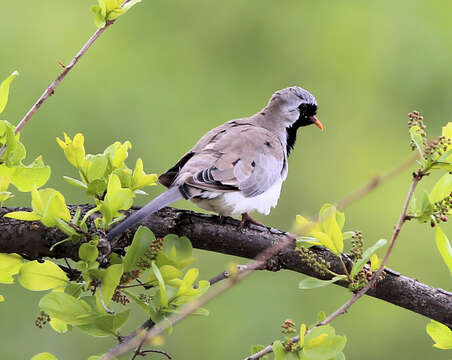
(306, 111)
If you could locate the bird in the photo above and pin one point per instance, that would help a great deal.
(239, 166)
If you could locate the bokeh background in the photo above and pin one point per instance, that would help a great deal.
(169, 71)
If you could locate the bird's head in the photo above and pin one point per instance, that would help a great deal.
(298, 107)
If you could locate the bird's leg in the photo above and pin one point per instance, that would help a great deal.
(248, 219)
(221, 220)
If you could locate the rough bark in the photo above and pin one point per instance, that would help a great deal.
(33, 241)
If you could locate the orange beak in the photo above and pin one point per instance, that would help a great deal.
(317, 122)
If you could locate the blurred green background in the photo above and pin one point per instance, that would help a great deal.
(169, 71)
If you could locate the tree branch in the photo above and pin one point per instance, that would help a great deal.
(33, 240)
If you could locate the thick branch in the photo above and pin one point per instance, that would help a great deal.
(33, 240)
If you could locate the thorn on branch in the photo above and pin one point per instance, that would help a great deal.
(61, 64)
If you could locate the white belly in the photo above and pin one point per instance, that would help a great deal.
(234, 203)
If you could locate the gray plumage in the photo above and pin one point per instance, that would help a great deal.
(239, 166)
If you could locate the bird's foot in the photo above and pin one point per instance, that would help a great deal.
(248, 219)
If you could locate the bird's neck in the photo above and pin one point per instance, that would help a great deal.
(275, 121)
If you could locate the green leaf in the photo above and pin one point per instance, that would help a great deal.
(321, 316)
(359, 263)
(110, 281)
(116, 199)
(37, 276)
(303, 329)
(23, 215)
(99, 19)
(442, 188)
(158, 275)
(44, 356)
(142, 241)
(278, 350)
(74, 149)
(27, 177)
(59, 326)
(188, 281)
(323, 344)
(444, 247)
(50, 205)
(168, 273)
(10, 265)
(112, 323)
(417, 139)
(96, 187)
(140, 179)
(95, 166)
(330, 225)
(88, 252)
(312, 283)
(73, 289)
(118, 153)
(326, 241)
(441, 335)
(426, 209)
(75, 182)
(4, 90)
(67, 308)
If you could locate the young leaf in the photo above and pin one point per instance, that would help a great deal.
(375, 262)
(312, 283)
(37, 276)
(10, 265)
(359, 263)
(67, 308)
(59, 326)
(142, 240)
(112, 323)
(110, 281)
(441, 335)
(4, 90)
(303, 329)
(330, 225)
(44, 356)
(88, 252)
(158, 275)
(442, 188)
(327, 241)
(278, 350)
(187, 282)
(27, 177)
(417, 139)
(75, 182)
(140, 179)
(74, 149)
(444, 247)
(116, 199)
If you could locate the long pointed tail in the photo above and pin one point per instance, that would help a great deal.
(169, 196)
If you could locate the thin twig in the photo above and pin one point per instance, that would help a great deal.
(143, 353)
(375, 182)
(416, 178)
(66, 68)
(226, 275)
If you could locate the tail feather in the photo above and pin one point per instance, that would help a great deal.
(169, 196)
